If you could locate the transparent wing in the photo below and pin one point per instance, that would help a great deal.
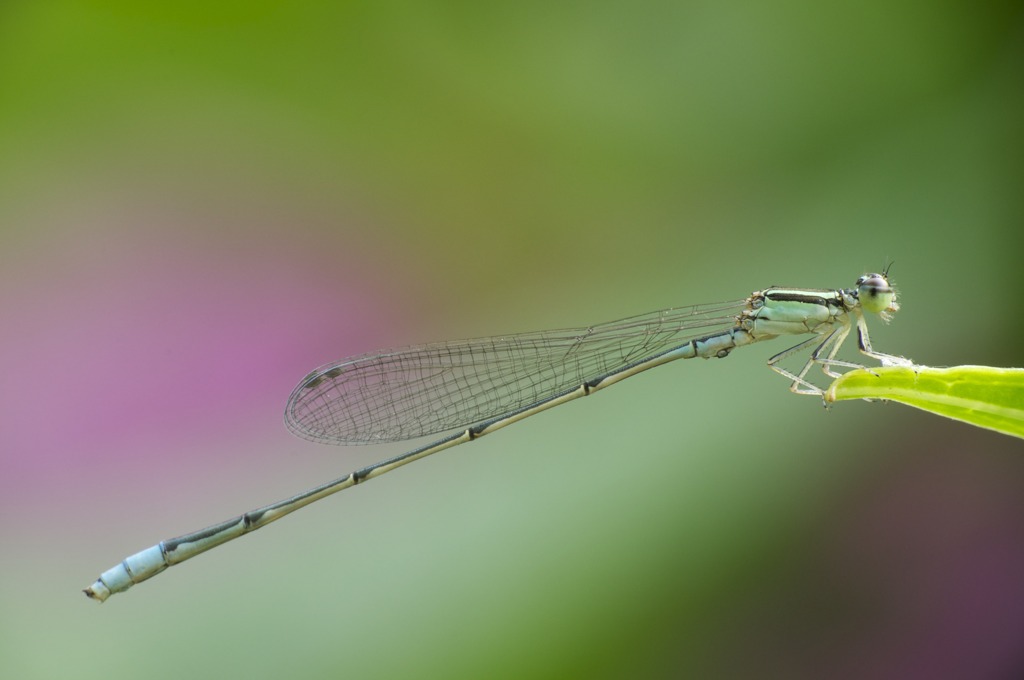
(428, 389)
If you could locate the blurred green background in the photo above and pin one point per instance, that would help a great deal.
(200, 202)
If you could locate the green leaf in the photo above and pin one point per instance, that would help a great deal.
(980, 395)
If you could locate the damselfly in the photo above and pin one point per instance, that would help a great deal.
(474, 387)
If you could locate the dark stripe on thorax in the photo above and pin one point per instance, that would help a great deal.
(806, 298)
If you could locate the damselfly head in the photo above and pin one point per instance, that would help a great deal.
(876, 295)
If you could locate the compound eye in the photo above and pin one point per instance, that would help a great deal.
(873, 284)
